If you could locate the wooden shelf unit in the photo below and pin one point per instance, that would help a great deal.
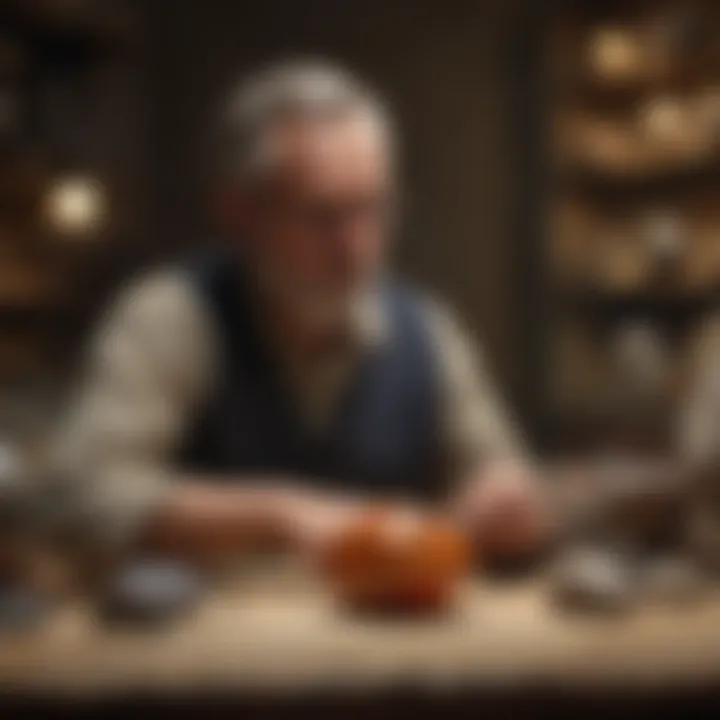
(658, 298)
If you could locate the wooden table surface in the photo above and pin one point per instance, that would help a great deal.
(278, 631)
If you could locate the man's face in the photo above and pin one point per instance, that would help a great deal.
(318, 225)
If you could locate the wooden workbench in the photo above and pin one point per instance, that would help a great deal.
(277, 630)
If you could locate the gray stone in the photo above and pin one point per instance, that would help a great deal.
(151, 591)
(595, 579)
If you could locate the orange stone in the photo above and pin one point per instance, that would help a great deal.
(388, 562)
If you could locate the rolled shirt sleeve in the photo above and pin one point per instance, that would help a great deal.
(149, 365)
(477, 424)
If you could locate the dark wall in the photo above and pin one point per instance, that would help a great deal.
(449, 70)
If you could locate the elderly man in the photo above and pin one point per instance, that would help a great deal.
(264, 390)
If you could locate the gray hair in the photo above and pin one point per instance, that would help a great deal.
(305, 89)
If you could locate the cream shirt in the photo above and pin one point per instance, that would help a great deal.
(152, 363)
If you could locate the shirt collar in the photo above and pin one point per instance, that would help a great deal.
(369, 321)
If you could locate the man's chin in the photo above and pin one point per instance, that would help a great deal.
(325, 310)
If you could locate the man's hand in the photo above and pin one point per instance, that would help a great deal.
(314, 522)
(505, 511)
(208, 522)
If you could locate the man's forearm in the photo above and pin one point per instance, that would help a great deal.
(210, 521)
(207, 521)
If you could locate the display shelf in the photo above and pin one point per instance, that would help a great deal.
(608, 267)
(641, 185)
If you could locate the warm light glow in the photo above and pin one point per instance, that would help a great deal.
(665, 118)
(615, 54)
(665, 233)
(76, 205)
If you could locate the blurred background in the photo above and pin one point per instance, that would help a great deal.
(560, 162)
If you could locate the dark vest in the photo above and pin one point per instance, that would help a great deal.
(384, 435)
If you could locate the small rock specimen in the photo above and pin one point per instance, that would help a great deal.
(598, 579)
(151, 591)
(393, 562)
